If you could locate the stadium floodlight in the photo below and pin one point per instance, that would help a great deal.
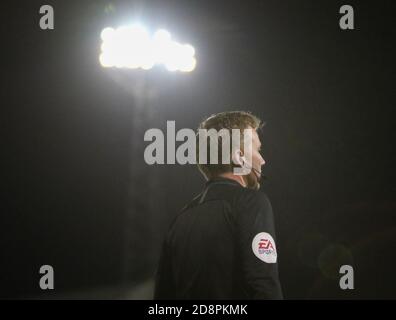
(133, 47)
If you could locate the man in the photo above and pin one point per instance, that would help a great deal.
(222, 244)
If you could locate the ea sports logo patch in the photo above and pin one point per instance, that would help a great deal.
(263, 246)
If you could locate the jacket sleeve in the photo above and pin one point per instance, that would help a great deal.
(256, 247)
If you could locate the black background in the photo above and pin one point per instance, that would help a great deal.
(326, 94)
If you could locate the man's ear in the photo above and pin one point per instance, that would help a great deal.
(240, 163)
(238, 158)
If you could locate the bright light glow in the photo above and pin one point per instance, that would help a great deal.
(133, 47)
(107, 33)
(162, 36)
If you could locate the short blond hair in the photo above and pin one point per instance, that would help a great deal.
(225, 120)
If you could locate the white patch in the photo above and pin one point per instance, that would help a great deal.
(263, 246)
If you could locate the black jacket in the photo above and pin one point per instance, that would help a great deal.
(221, 246)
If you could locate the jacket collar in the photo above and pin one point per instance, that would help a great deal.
(222, 180)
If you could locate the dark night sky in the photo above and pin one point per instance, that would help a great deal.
(327, 96)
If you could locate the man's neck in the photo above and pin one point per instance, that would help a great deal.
(237, 178)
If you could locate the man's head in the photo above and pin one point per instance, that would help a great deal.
(228, 121)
